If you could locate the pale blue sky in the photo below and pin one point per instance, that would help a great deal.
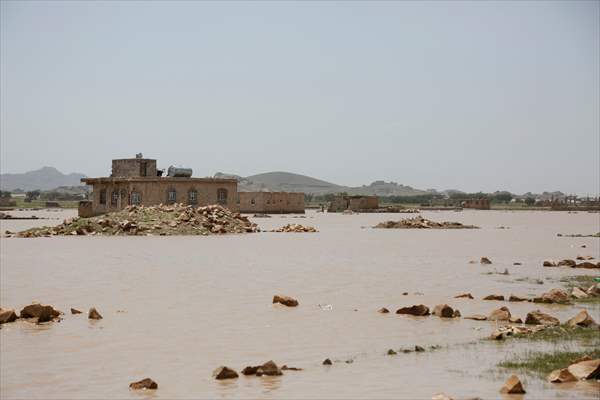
(467, 95)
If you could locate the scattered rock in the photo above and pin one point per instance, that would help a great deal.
(579, 293)
(418, 310)
(513, 386)
(485, 260)
(464, 295)
(419, 349)
(327, 361)
(443, 311)
(539, 318)
(517, 298)
(441, 396)
(7, 315)
(146, 383)
(391, 352)
(554, 296)
(224, 373)
(383, 310)
(75, 311)
(296, 228)
(582, 319)
(285, 300)
(501, 314)
(269, 368)
(476, 317)
(586, 369)
(561, 376)
(422, 223)
(588, 265)
(43, 313)
(585, 257)
(567, 263)
(517, 263)
(494, 297)
(594, 290)
(549, 263)
(515, 320)
(94, 314)
(456, 314)
(286, 368)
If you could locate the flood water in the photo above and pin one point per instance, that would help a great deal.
(175, 308)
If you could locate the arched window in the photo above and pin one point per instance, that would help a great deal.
(114, 198)
(171, 196)
(192, 197)
(222, 196)
(136, 198)
(103, 196)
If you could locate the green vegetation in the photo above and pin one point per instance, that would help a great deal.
(542, 363)
(21, 203)
(563, 333)
(582, 281)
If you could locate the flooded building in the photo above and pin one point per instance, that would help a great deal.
(353, 203)
(137, 181)
(271, 202)
(478, 204)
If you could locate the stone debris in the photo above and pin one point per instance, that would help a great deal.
(7, 315)
(485, 260)
(391, 352)
(539, 318)
(269, 369)
(285, 300)
(584, 258)
(224, 373)
(588, 265)
(517, 298)
(464, 296)
(549, 263)
(501, 314)
(383, 310)
(517, 263)
(94, 314)
(554, 296)
(513, 386)
(327, 361)
(561, 376)
(75, 311)
(176, 219)
(515, 320)
(445, 311)
(498, 297)
(286, 368)
(418, 310)
(43, 313)
(579, 293)
(594, 290)
(567, 263)
(295, 228)
(146, 383)
(422, 223)
(586, 369)
(503, 332)
(419, 349)
(582, 319)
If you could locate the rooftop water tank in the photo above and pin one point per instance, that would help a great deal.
(178, 172)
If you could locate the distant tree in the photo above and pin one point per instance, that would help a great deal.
(530, 201)
(4, 194)
(32, 195)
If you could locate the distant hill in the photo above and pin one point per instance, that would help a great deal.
(45, 178)
(289, 182)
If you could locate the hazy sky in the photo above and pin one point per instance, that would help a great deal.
(473, 95)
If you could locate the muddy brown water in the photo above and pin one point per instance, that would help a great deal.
(175, 308)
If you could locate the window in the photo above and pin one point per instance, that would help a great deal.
(114, 198)
(192, 197)
(222, 196)
(171, 196)
(136, 198)
(252, 202)
(103, 196)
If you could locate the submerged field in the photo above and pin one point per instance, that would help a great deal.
(175, 308)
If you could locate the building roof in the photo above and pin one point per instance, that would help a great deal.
(149, 179)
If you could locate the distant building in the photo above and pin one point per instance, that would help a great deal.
(137, 181)
(478, 204)
(354, 203)
(271, 202)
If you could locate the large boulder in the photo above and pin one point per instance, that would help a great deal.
(561, 376)
(7, 315)
(513, 386)
(418, 310)
(582, 319)
(554, 296)
(586, 369)
(501, 314)
(146, 383)
(43, 313)
(443, 311)
(539, 318)
(285, 300)
(224, 373)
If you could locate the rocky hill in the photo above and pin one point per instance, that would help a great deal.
(45, 178)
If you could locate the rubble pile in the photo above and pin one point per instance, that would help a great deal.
(295, 228)
(422, 223)
(164, 220)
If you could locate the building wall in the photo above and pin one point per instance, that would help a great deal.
(271, 202)
(354, 203)
(133, 168)
(155, 191)
(479, 204)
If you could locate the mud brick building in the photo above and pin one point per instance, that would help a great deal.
(271, 202)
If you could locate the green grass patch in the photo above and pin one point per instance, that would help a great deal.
(582, 281)
(542, 363)
(563, 333)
